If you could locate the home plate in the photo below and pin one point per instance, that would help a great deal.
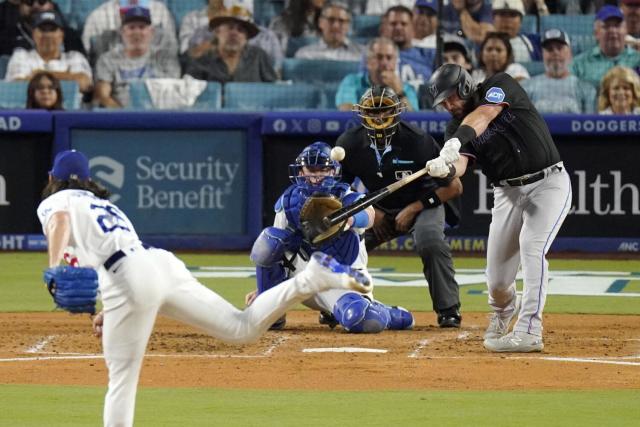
(343, 350)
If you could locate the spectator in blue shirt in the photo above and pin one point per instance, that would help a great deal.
(382, 66)
(471, 19)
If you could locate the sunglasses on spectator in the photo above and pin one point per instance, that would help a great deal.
(31, 2)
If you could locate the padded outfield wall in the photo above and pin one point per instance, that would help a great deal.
(209, 180)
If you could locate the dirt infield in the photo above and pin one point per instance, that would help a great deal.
(582, 352)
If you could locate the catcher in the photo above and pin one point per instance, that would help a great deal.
(283, 250)
(137, 282)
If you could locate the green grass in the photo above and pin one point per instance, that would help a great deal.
(21, 286)
(82, 406)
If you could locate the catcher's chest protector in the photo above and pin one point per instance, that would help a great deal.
(344, 248)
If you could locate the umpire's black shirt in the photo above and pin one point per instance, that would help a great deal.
(517, 142)
(410, 150)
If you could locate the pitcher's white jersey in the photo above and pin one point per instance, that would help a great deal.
(98, 227)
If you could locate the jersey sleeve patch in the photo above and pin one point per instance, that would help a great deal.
(495, 95)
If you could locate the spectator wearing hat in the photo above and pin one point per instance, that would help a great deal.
(101, 31)
(631, 11)
(132, 60)
(48, 37)
(17, 31)
(557, 90)
(425, 23)
(232, 59)
(610, 32)
(455, 50)
(379, 7)
(507, 18)
(334, 24)
(471, 19)
(196, 38)
(619, 92)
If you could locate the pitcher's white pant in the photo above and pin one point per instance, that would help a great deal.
(148, 282)
(524, 222)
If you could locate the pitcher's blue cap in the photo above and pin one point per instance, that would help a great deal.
(70, 164)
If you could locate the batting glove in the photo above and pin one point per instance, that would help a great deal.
(450, 151)
(438, 167)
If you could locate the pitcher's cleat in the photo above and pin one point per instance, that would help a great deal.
(515, 342)
(323, 272)
(279, 324)
(499, 322)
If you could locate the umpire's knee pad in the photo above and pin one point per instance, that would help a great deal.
(359, 315)
(400, 318)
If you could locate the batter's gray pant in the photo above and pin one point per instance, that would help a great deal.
(428, 236)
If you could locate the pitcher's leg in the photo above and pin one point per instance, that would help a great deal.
(548, 206)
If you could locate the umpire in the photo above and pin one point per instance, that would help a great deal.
(383, 150)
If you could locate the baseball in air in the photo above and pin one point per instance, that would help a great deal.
(337, 154)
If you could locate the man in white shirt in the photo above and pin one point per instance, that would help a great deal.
(48, 36)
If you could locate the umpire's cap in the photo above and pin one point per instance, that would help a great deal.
(70, 164)
(447, 79)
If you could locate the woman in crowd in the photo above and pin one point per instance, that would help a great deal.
(496, 55)
(44, 92)
(298, 19)
(619, 92)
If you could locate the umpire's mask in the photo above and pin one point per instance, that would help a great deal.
(380, 108)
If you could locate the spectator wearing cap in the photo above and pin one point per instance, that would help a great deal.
(507, 18)
(101, 30)
(232, 59)
(610, 32)
(382, 65)
(631, 11)
(379, 7)
(455, 50)
(334, 24)
(132, 60)
(619, 92)
(18, 32)
(196, 37)
(557, 90)
(425, 23)
(471, 19)
(48, 38)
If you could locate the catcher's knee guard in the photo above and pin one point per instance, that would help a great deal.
(359, 315)
(270, 246)
(400, 318)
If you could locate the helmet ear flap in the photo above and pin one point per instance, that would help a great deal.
(464, 85)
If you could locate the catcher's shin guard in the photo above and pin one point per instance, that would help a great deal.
(357, 314)
(400, 318)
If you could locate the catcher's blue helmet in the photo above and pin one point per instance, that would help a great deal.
(321, 172)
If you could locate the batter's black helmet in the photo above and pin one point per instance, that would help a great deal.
(380, 110)
(446, 80)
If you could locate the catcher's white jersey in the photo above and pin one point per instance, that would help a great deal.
(98, 227)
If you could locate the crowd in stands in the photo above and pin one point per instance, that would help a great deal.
(332, 49)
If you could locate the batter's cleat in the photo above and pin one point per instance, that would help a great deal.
(278, 325)
(323, 272)
(327, 319)
(515, 342)
(449, 318)
(401, 319)
(499, 322)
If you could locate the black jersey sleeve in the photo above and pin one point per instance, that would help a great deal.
(501, 89)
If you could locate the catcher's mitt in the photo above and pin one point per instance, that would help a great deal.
(74, 289)
(314, 210)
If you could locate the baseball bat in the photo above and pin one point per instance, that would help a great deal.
(344, 213)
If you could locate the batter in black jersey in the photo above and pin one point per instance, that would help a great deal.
(384, 150)
(496, 125)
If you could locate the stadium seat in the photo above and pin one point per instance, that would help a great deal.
(529, 24)
(72, 98)
(179, 8)
(534, 67)
(81, 10)
(328, 95)
(317, 70)
(13, 95)
(295, 43)
(265, 10)
(582, 42)
(66, 7)
(209, 99)
(4, 61)
(572, 24)
(270, 96)
(366, 26)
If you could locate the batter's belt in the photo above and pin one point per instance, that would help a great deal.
(530, 178)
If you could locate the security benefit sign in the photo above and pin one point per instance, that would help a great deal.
(172, 182)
